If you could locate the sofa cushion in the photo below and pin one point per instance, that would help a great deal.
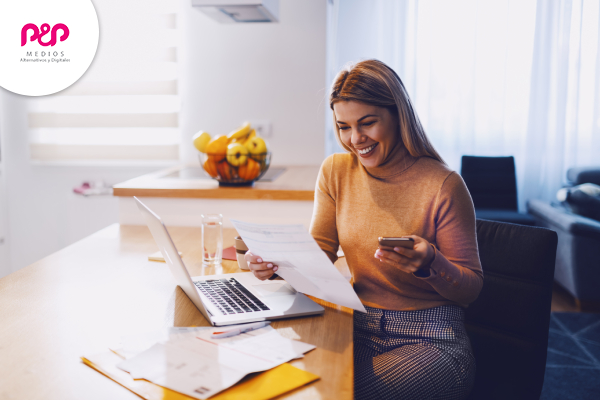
(582, 199)
(582, 203)
(580, 175)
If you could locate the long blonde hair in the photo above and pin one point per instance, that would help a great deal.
(373, 82)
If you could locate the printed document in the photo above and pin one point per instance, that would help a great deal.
(195, 364)
(300, 261)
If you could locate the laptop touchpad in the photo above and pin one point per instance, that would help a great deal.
(274, 289)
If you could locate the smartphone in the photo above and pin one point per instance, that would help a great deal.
(408, 243)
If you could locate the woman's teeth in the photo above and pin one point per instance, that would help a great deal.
(367, 150)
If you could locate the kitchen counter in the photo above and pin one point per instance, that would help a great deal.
(190, 181)
(181, 194)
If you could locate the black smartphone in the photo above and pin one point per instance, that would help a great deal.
(407, 243)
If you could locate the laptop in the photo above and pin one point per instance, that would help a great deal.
(228, 299)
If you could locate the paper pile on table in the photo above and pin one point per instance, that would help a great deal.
(189, 361)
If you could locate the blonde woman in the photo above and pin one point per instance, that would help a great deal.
(411, 343)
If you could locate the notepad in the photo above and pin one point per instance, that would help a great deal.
(261, 386)
(158, 257)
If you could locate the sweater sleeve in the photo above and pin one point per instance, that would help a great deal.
(323, 226)
(455, 271)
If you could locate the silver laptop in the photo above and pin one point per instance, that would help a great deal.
(229, 298)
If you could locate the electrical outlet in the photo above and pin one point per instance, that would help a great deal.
(262, 127)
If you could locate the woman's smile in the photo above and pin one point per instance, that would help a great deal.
(367, 151)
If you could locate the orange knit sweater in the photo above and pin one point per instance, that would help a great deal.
(404, 196)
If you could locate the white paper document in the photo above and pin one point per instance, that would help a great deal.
(195, 364)
(132, 345)
(300, 261)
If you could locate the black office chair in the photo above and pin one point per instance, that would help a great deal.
(492, 183)
(508, 323)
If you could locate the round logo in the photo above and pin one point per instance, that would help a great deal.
(46, 45)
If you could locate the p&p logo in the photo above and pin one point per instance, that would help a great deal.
(45, 29)
(45, 45)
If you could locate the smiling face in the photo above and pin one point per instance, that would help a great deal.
(371, 132)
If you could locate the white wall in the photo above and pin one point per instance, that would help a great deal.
(274, 71)
(4, 265)
(44, 215)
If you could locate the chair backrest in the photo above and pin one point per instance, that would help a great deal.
(491, 181)
(508, 323)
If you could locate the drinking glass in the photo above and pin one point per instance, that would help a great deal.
(212, 239)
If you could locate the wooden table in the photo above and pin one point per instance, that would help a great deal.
(83, 298)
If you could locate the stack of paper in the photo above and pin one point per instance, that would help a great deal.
(189, 361)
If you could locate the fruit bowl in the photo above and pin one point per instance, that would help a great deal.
(249, 170)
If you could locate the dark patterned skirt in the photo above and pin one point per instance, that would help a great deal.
(422, 354)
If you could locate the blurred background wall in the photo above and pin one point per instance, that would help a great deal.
(175, 61)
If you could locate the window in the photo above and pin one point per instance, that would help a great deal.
(488, 77)
(126, 106)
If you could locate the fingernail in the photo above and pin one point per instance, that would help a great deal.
(378, 253)
(269, 265)
(275, 268)
(396, 249)
(259, 260)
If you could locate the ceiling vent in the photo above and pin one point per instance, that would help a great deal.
(232, 11)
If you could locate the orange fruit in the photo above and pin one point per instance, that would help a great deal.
(225, 170)
(217, 148)
(210, 166)
(250, 170)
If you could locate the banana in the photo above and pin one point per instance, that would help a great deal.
(239, 133)
(250, 136)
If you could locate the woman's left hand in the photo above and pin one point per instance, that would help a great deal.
(408, 260)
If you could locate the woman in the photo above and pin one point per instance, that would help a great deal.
(412, 343)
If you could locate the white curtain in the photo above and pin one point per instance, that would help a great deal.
(488, 77)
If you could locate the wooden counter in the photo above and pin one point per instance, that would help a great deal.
(83, 298)
(295, 183)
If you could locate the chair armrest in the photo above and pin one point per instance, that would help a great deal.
(564, 220)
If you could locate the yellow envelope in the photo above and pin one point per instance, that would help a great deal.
(262, 386)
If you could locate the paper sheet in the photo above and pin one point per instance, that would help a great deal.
(300, 261)
(132, 345)
(266, 385)
(195, 364)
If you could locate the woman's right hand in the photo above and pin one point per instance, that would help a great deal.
(262, 270)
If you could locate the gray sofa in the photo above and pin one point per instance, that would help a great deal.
(578, 254)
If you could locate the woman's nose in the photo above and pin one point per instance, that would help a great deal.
(357, 138)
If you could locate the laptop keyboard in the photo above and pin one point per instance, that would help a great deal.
(230, 297)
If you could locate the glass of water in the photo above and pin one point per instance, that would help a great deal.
(212, 239)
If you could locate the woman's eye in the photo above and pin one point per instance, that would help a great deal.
(368, 123)
(343, 128)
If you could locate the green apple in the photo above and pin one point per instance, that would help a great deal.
(237, 154)
(256, 145)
